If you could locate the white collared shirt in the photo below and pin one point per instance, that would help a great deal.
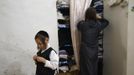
(54, 59)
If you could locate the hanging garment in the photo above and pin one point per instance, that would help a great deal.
(77, 11)
(98, 5)
(64, 10)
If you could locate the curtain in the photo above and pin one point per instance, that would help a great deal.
(77, 12)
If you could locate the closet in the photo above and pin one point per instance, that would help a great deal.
(66, 49)
(66, 52)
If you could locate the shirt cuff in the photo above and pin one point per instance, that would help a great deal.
(47, 63)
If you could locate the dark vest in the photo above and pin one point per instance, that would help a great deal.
(40, 69)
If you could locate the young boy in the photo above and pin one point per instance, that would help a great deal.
(46, 59)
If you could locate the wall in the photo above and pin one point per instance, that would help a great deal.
(20, 20)
(115, 40)
(130, 48)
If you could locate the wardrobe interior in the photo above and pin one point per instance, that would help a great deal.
(66, 52)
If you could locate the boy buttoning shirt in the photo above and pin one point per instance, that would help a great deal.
(46, 59)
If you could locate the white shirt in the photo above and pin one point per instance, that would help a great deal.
(54, 59)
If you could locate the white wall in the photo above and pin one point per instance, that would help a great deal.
(20, 20)
(130, 48)
(115, 40)
(119, 40)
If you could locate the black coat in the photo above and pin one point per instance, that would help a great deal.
(89, 45)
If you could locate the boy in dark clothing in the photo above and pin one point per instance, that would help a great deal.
(90, 29)
(46, 59)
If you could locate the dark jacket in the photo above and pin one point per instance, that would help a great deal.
(90, 31)
(89, 45)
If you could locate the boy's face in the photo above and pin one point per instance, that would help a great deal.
(40, 45)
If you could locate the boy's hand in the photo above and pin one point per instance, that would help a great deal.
(41, 59)
(35, 57)
(98, 16)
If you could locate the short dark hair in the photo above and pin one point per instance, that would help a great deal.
(90, 14)
(42, 35)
